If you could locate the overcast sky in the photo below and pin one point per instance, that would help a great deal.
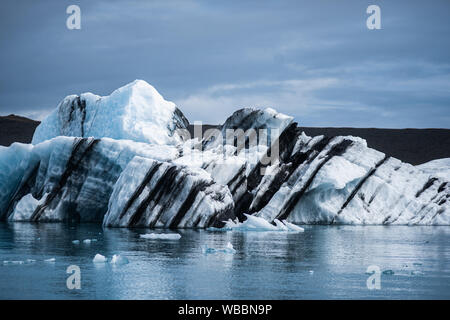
(314, 60)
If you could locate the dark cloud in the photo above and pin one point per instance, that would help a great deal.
(315, 60)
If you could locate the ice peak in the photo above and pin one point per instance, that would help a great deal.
(135, 111)
(138, 88)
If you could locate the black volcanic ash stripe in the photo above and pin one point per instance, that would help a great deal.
(189, 201)
(162, 181)
(296, 160)
(286, 142)
(336, 150)
(148, 177)
(428, 184)
(75, 158)
(360, 184)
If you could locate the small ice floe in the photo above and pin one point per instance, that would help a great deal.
(76, 241)
(51, 260)
(87, 241)
(228, 249)
(311, 272)
(162, 236)
(94, 240)
(29, 261)
(254, 223)
(118, 259)
(99, 258)
(416, 273)
(15, 262)
(388, 272)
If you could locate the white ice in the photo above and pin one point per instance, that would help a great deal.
(254, 223)
(439, 168)
(229, 249)
(162, 236)
(99, 258)
(135, 112)
(118, 259)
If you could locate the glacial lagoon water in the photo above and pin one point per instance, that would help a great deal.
(324, 262)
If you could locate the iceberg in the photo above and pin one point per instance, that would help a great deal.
(124, 161)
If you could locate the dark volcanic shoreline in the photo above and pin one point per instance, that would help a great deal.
(16, 129)
(415, 146)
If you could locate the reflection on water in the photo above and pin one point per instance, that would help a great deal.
(323, 262)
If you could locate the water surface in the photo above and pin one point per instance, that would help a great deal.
(324, 262)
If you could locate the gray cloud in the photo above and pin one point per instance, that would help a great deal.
(315, 60)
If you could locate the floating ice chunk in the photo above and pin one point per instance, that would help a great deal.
(162, 236)
(13, 262)
(87, 241)
(94, 240)
(257, 223)
(254, 223)
(207, 250)
(99, 258)
(118, 259)
(30, 261)
(228, 249)
(50, 260)
(293, 227)
(76, 241)
(311, 272)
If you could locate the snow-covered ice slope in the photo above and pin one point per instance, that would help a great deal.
(165, 182)
(134, 112)
(439, 168)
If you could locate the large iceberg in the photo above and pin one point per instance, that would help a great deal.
(125, 161)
